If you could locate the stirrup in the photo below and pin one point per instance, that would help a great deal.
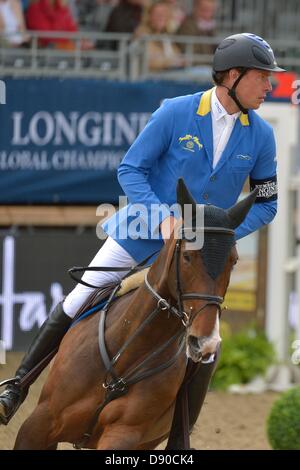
(13, 381)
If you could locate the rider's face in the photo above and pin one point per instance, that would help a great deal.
(253, 88)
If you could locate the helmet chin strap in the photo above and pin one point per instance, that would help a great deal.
(232, 92)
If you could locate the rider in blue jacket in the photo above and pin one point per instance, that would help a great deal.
(215, 141)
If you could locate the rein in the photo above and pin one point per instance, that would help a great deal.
(118, 386)
(211, 299)
(131, 270)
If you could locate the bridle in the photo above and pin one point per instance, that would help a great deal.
(118, 386)
(179, 311)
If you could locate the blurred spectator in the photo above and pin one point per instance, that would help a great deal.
(126, 16)
(178, 14)
(162, 54)
(53, 15)
(94, 14)
(12, 23)
(202, 22)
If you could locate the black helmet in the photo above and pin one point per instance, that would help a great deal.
(245, 50)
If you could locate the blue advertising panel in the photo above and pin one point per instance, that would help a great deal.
(61, 141)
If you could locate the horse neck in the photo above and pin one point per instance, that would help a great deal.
(160, 271)
(158, 278)
(143, 302)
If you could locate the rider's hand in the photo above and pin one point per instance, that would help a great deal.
(167, 227)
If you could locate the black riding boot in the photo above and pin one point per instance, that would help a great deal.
(196, 389)
(47, 339)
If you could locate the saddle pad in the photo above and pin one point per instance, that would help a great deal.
(132, 282)
(99, 298)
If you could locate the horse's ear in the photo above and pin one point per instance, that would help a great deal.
(183, 195)
(238, 212)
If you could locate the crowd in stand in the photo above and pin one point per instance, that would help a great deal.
(137, 17)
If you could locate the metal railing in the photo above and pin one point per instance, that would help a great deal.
(270, 18)
(107, 60)
(118, 56)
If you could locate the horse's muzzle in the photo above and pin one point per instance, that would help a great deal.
(200, 349)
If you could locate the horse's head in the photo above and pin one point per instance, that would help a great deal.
(202, 274)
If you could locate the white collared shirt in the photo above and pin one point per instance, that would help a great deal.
(222, 126)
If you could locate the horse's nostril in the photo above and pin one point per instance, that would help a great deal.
(193, 342)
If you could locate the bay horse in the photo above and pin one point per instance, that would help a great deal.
(149, 334)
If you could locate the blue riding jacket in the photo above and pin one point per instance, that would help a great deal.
(178, 142)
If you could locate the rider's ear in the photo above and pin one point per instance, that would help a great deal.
(238, 212)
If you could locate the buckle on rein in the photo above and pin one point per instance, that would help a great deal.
(119, 386)
(163, 304)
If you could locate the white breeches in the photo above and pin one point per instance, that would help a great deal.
(110, 254)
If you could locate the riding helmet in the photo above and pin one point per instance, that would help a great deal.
(245, 50)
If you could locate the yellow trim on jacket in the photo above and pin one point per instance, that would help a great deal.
(205, 107)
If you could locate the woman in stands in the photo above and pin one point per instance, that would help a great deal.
(162, 54)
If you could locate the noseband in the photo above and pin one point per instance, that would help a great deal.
(163, 304)
(118, 386)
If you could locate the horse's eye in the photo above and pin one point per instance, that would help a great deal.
(186, 256)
